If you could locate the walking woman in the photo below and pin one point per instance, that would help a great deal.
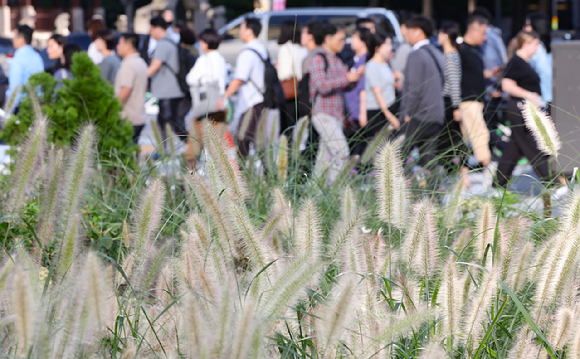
(521, 82)
(379, 92)
(55, 52)
(451, 148)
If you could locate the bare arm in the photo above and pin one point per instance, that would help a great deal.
(511, 87)
(230, 91)
(383, 106)
(124, 94)
(154, 67)
(362, 116)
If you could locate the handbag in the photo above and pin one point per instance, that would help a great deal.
(289, 88)
(204, 98)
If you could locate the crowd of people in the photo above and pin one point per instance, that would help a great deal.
(434, 93)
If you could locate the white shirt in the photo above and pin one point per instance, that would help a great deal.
(420, 44)
(95, 54)
(250, 69)
(208, 68)
(290, 57)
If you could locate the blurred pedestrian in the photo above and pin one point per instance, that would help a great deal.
(54, 50)
(290, 57)
(522, 82)
(541, 61)
(248, 83)
(399, 61)
(473, 75)
(379, 92)
(422, 100)
(25, 63)
(209, 70)
(131, 83)
(105, 42)
(451, 147)
(65, 72)
(347, 55)
(187, 60)
(164, 83)
(95, 24)
(328, 80)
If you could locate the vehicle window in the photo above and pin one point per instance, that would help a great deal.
(346, 21)
(233, 33)
(277, 20)
(384, 24)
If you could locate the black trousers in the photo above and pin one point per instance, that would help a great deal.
(376, 122)
(424, 135)
(249, 124)
(169, 114)
(491, 116)
(451, 148)
(522, 144)
(137, 132)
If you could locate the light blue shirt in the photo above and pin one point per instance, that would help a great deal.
(494, 54)
(25, 63)
(542, 63)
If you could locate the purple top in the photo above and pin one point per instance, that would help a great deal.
(352, 97)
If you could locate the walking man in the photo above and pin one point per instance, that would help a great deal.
(422, 106)
(131, 83)
(249, 83)
(164, 84)
(328, 80)
(25, 63)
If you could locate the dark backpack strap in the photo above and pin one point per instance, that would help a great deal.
(265, 64)
(165, 64)
(441, 72)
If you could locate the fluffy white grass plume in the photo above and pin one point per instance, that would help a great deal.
(283, 158)
(194, 325)
(349, 206)
(450, 299)
(69, 247)
(572, 217)
(391, 188)
(516, 231)
(542, 128)
(524, 347)
(561, 329)
(345, 245)
(308, 234)
(29, 161)
(148, 217)
(226, 168)
(476, 315)
(23, 308)
(4, 272)
(246, 325)
(50, 194)
(565, 270)
(78, 171)
(485, 231)
(9, 106)
(339, 310)
(521, 270)
(96, 290)
(421, 242)
(433, 351)
(574, 344)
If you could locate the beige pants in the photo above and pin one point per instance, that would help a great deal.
(475, 130)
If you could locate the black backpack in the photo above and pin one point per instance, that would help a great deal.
(303, 97)
(273, 93)
(186, 62)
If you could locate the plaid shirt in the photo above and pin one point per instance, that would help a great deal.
(328, 85)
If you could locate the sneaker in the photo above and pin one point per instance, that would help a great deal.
(560, 193)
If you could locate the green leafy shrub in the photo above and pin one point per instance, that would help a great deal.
(83, 98)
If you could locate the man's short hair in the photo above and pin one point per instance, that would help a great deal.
(332, 29)
(316, 29)
(187, 36)
(108, 37)
(254, 24)
(26, 32)
(211, 38)
(132, 39)
(476, 19)
(483, 12)
(364, 20)
(159, 21)
(421, 22)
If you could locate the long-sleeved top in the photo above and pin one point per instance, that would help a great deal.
(290, 58)
(542, 63)
(25, 63)
(452, 87)
(94, 54)
(109, 67)
(352, 97)
(326, 87)
(399, 62)
(208, 68)
(423, 87)
(494, 53)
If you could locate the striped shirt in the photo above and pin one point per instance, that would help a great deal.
(452, 87)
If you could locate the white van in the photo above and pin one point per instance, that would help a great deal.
(231, 46)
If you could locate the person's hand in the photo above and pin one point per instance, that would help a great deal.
(407, 118)
(363, 120)
(353, 76)
(457, 115)
(397, 75)
(394, 121)
(534, 98)
(496, 71)
(496, 94)
(398, 85)
(220, 104)
(361, 70)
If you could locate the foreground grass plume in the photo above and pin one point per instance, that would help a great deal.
(391, 188)
(542, 128)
